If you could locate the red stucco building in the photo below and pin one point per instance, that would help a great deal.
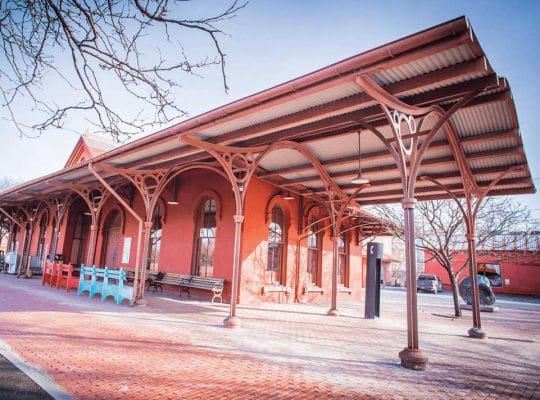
(267, 192)
(193, 230)
(513, 269)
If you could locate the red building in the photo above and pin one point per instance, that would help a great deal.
(511, 269)
(192, 231)
(267, 191)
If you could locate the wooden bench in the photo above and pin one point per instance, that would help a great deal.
(185, 282)
(47, 273)
(113, 285)
(104, 281)
(204, 283)
(54, 272)
(65, 277)
(151, 278)
(154, 280)
(130, 275)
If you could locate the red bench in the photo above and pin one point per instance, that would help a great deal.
(65, 277)
(55, 272)
(47, 272)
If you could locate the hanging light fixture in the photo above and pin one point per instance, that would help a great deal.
(359, 179)
(173, 201)
(288, 196)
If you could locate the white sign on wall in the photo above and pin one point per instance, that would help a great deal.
(126, 251)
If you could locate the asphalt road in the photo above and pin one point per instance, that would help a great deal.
(15, 385)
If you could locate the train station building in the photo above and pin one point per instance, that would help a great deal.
(267, 192)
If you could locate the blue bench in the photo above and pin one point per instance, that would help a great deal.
(105, 281)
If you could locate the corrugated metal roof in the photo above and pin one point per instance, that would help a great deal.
(488, 145)
(498, 161)
(316, 99)
(265, 114)
(490, 117)
(425, 65)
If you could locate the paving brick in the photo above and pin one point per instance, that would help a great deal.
(178, 349)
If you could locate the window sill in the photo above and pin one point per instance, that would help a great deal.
(276, 289)
(313, 289)
(343, 289)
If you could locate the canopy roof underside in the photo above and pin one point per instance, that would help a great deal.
(324, 111)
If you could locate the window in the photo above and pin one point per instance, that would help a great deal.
(275, 246)
(343, 262)
(206, 239)
(492, 272)
(155, 239)
(314, 256)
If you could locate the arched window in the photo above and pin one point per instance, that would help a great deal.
(314, 256)
(206, 238)
(155, 239)
(343, 261)
(42, 232)
(275, 245)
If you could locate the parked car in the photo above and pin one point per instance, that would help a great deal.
(429, 283)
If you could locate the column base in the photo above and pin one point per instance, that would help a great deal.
(333, 312)
(413, 359)
(477, 333)
(232, 322)
(141, 302)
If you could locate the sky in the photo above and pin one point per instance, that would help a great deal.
(272, 41)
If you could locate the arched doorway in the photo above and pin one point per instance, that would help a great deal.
(81, 223)
(43, 224)
(112, 232)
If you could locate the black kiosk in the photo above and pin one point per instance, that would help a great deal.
(373, 279)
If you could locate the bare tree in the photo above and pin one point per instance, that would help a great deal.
(5, 223)
(440, 230)
(76, 57)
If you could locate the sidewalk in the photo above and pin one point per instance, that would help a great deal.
(178, 349)
(15, 385)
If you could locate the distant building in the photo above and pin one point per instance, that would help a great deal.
(510, 261)
(393, 262)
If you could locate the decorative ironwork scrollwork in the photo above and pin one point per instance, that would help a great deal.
(397, 119)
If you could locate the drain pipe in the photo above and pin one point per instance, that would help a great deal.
(136, 287)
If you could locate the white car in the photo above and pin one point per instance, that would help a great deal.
(429, 283)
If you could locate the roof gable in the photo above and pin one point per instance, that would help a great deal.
(88, 146)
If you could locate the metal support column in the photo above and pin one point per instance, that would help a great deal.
(476, 330)
(232, 321)
(92, 244)
(335, 261)
(411, 356)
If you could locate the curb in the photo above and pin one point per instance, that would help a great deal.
(34, 373)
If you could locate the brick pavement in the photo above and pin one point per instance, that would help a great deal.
(178, 349)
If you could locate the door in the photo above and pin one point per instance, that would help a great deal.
(112, 241)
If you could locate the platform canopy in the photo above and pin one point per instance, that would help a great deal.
(329, 110)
